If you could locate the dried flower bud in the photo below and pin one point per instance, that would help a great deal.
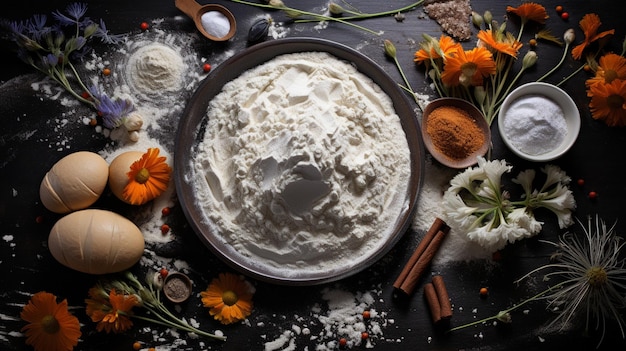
(399, 17)
(133, 122)
(335, 9)
(477, 19)
(259, 30)
(133, 136)
(276, 3)
(529, 59)
(480, 94)
(569, 36)
(91, 30)
(504, 317)
(390, 49)
(488, 16)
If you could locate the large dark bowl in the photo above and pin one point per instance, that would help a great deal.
(190, 134)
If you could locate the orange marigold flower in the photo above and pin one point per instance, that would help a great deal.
(229, 298)
(112, 314)
(608, 102)
(447, 46)
(50, 325)
(148, 178)
(590, 23)
(530, 11)
(610, 66)
(505, 44)
(468, 67)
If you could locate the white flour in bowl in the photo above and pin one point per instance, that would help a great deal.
(304, 166)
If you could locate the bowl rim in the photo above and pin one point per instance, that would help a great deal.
(194, 116)
(558, 96)
(475, 113)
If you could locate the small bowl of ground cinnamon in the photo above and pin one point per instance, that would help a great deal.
(455, 132)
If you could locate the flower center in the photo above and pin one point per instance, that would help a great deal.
(615, 101)
(609, 75)
(468, 69)
(596, 276)
(142, 176)
(229, 297)
(50, 324)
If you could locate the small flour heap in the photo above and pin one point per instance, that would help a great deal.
(155, 69)
(304, 166)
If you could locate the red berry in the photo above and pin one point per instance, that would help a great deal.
(85, 95)
(166, 211)
(163, 272)
(364, 335)
(484, 291)
(565, 15)
(559, 9)
(206, 67)
(366, 314)
(165, 229)
(593, 195)
(39, 219)
(343, 342)
(144, 25)
(580, 182)
(106, 71)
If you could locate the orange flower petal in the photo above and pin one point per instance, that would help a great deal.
(530, 11)
(608, 102)
(158, 180)
(43, 305)
(212, 298)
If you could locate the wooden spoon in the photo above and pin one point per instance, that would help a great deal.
(195, 11)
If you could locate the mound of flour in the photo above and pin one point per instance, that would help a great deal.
(304, 166)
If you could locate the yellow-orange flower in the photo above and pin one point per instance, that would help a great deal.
(608, 102)
(590, 23)
(610, 67)
(530, 11)
(447, 46)
(148, 178)
(113, 313)
(502, 43)
(50, 325)
(229, 298)
(468, 67)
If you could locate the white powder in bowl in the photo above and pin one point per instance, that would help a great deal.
(304, 166)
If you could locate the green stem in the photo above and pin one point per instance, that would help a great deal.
(570, 76)
(557, 65)
(317, 17)
(359, 16)
(406, 81)
(176, 323)
(507, 310)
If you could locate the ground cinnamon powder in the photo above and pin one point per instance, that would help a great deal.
(454, 132)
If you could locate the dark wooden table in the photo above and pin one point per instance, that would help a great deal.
(28, 267)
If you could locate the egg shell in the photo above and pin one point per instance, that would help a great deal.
(75, 182)
(96, 241)
(118, 169)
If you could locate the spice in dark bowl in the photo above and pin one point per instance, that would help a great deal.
(455, 132)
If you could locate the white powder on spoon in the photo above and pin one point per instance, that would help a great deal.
(304, 165)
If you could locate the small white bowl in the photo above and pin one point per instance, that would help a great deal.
(556, 95)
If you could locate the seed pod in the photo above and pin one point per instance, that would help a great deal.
(259, 30)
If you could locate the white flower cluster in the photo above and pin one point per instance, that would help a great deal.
(476, 205)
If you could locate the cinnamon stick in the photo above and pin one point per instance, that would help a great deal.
(442, 295)
(433, 302)
(437, 225)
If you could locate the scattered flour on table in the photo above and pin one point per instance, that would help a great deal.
(456, 246)
(320, 162)
(339, 316)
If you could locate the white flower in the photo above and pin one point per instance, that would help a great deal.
(524, 219)
(476, 204)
